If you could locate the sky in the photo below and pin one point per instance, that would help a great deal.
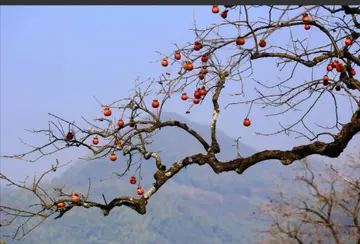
(56, 59)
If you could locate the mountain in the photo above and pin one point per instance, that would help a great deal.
(196, 206)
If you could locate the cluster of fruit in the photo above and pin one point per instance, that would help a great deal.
(339, 67)
(74, 197)
(200, 93)
(240, 41)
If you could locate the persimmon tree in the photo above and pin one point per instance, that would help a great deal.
(325, 209)
(205, 66)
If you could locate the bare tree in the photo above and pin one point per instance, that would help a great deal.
(205, 66)
(324, 209)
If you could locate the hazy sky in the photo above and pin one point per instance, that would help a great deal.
(55, 59)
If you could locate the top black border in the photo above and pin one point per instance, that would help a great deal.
(184, 2)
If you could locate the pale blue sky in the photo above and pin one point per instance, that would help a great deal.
(54, 59)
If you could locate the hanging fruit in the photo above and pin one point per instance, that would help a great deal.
(329, 67)
(188, 66)
(305, 18)
(197, 94)
(132, 123)
(60, 204)
(340, 68)
(334, 63)
(117, 143)
(177, 55)
(140, 190)
(164, 62)
(204, 70)
(184, 97)
(75, 197)
(353, 72)
(197, 46)
(95, 141)
(215, 9)
(113, 157)
(107, 111)
(201, 76)
(326, 80)
(240, 41)
(348, 41)
(133, 180)
(247, 122)
(203, 91)
(155, 103)
(69, 136)
(262, 43)
(224, 14)
(120, 123)
(204, 58)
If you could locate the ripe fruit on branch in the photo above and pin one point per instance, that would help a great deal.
(215, 9)
(196, 100)
(75, 197)
(353, 72)
(197, 46)
(164, 62)
(203, 91)
(177, 55)
(60, 205)
(155, 103)
(188, 66)
(307, 27)
(132, 123)
(117, 143)
(184, 97)
(340, 68)
(107, 111)
(95, 141)
(262, 43)
(113, 157)
(326, 80)
(338, 88)
(305, 18)
(204, 58)
(120, 123)
(329, 67)
(133, 180)
(140, 190)
(197, 94)
(69, 136)
(335, 63)
(240, 41)
(201, 76)
(224, 14)
(348, 41)
(247, 122)
(204, 70)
